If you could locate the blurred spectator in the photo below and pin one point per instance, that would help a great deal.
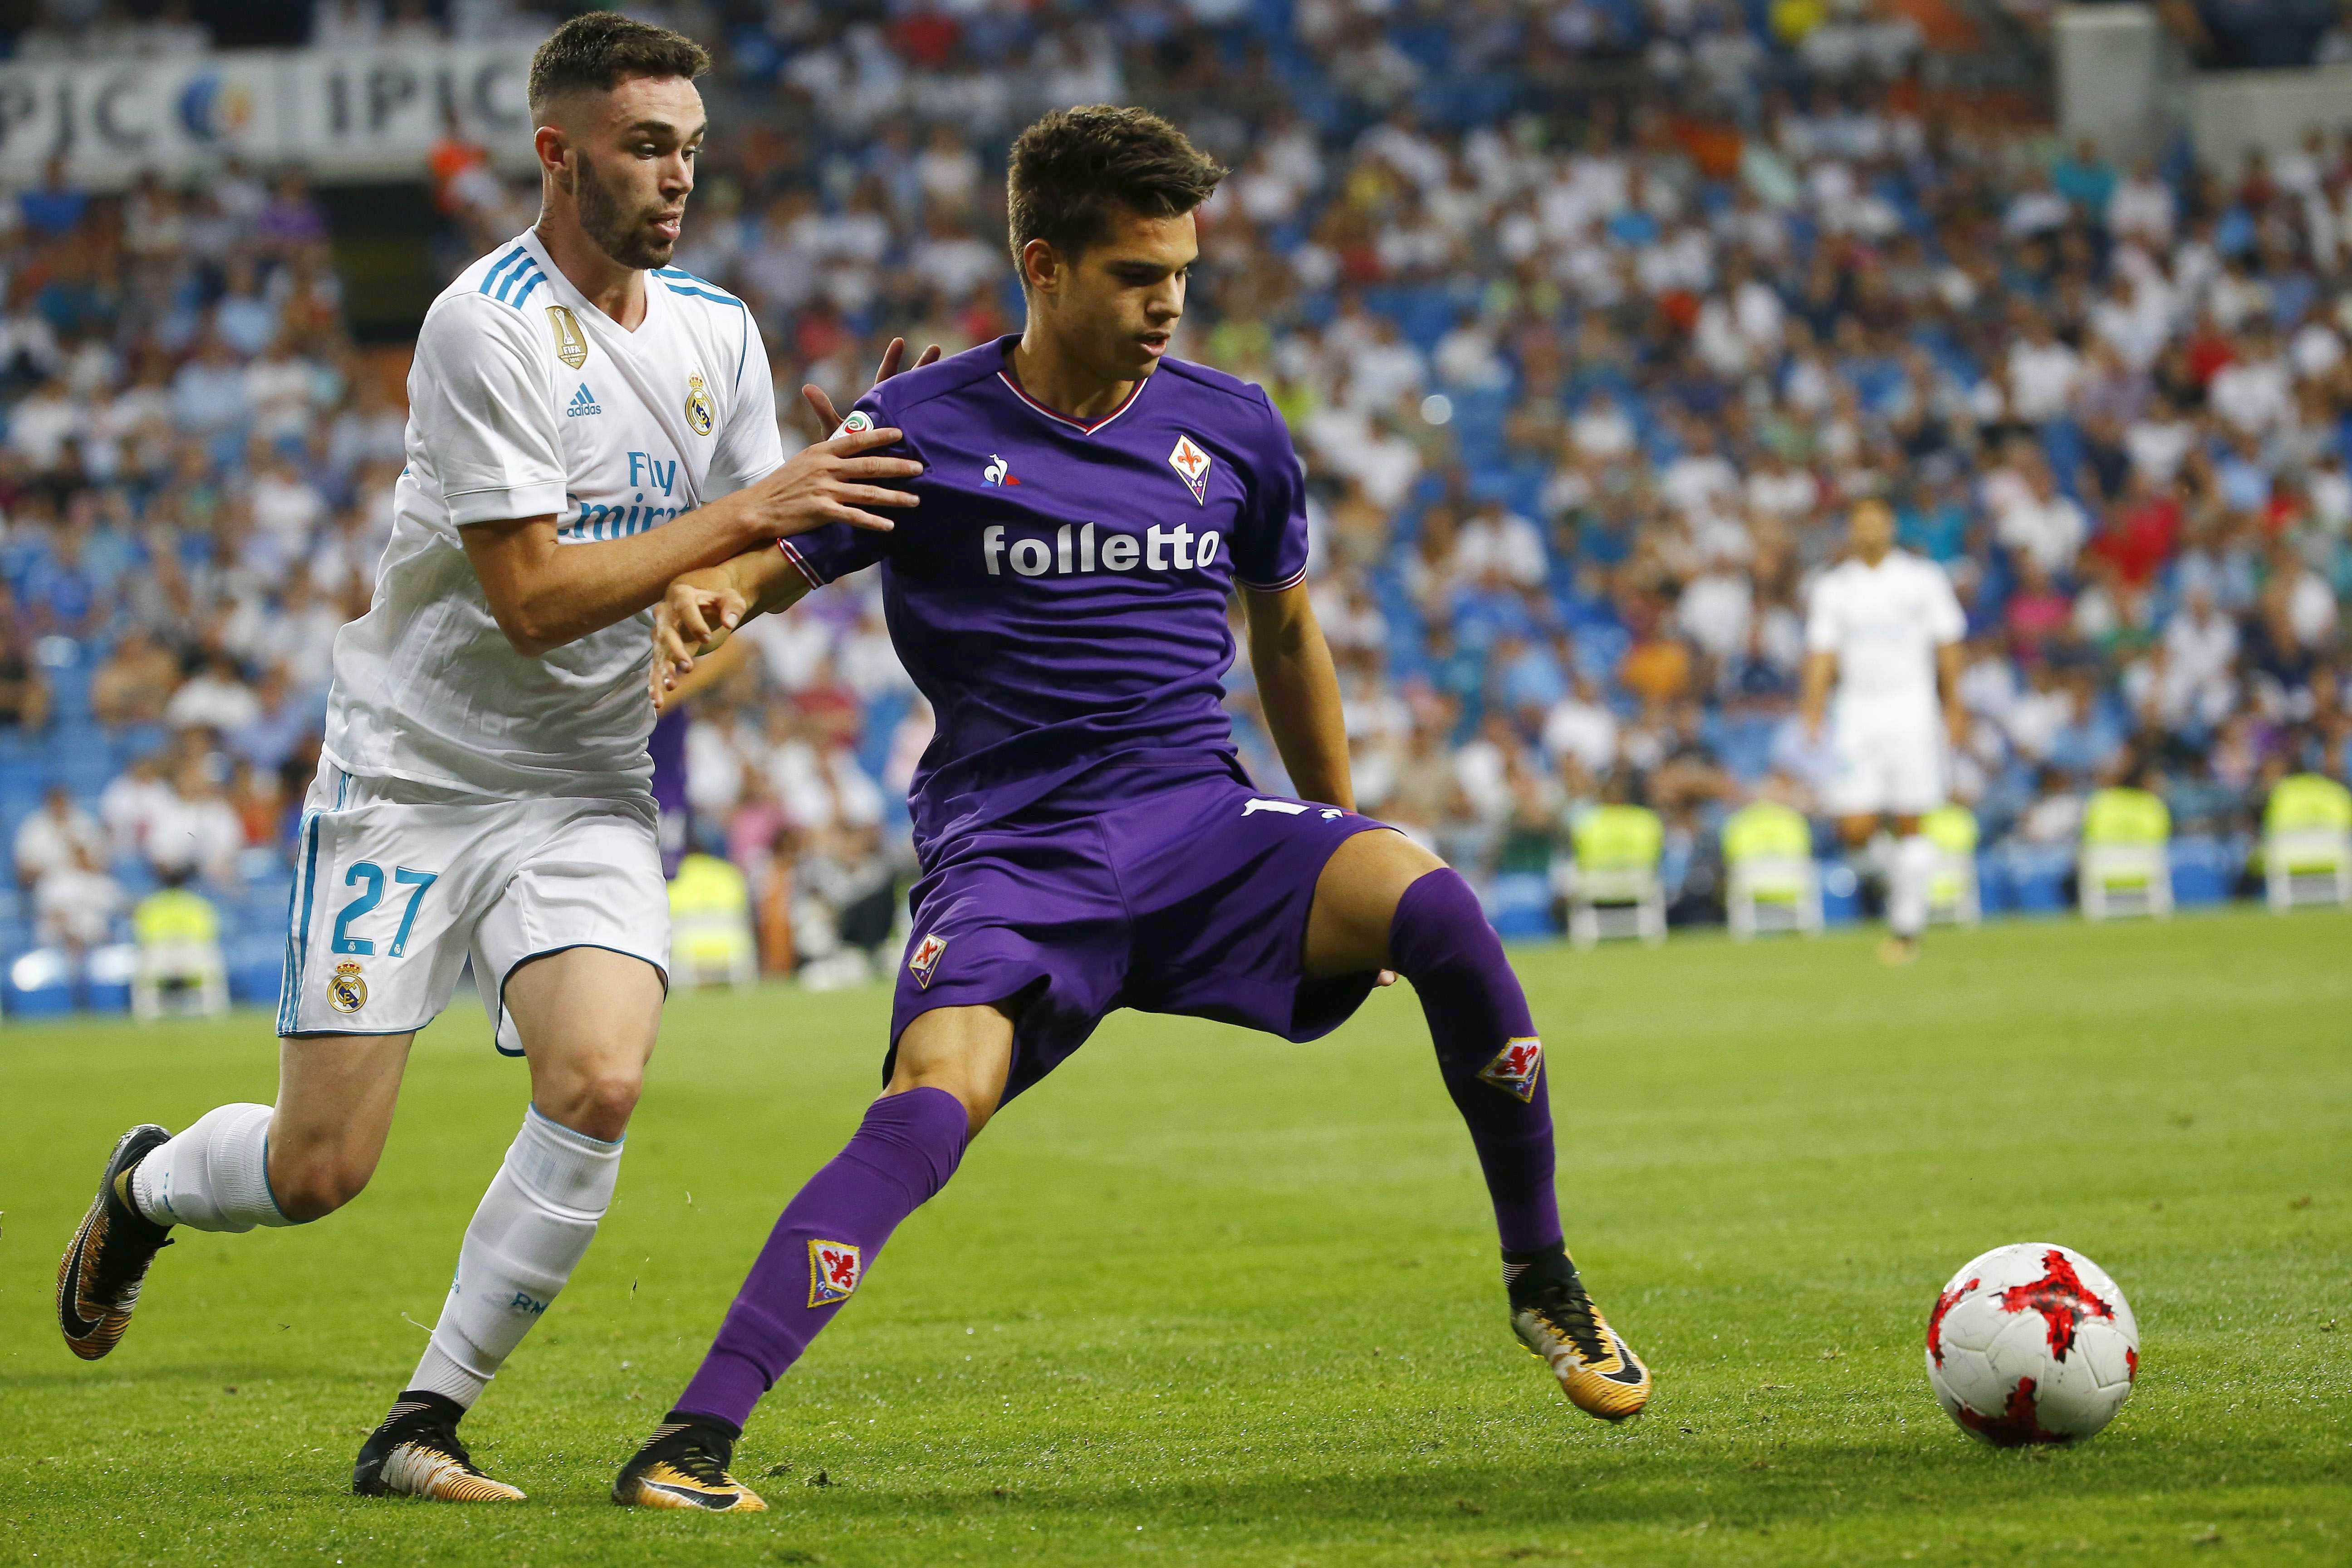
(136, 682)
(53, 837)
(75, 903)
(216, 698)
(193, 831)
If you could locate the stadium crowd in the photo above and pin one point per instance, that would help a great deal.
(1583, 382)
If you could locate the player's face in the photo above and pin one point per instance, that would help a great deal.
(630, 166)
(1118, 305)
(1871, 529)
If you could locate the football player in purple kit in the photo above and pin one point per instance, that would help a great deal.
(1087, 838)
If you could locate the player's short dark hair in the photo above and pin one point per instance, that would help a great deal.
(1072, 168)
(598, 50)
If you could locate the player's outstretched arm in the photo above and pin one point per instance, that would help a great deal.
(702, 609)
(546, 593)
(1813, 700)
(1298, 687)
(1950, 663)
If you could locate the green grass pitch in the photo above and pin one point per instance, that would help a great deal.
(1209, 1298)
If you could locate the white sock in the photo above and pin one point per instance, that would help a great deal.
(1906, 893)
(533, 1224)
(214, 1176)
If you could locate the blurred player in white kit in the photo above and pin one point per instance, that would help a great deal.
(1883, 629)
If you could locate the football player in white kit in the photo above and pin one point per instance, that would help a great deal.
(586, 422)
(1884, 627)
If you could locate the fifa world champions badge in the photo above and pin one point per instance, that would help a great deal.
(699, 411)
(1192, 466)
(925, 959)
(347, 991)
(835, 1267)
(1515, 1069)
(571, 346)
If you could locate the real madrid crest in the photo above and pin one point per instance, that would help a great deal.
(571, 345)
(347, 992)
(699, 410)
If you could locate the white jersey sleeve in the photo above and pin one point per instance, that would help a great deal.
(750, 444)
(1946, 622)
(1822, 631)
(478, 396)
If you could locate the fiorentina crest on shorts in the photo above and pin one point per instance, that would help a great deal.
(1192, 466)
(926, 958)
(1516, 1068)
(834, 1269)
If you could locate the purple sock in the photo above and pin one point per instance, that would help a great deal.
(1487, 1047)
(904, 1151)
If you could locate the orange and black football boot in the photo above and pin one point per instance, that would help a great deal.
(1556, 1319)
(416, 1453)
(684, 1464)
(99, 1275)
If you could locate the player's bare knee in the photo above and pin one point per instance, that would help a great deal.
(596, 1102)
(606, 1104)
(312, 1184)
(977, 1095)
(1356, 899)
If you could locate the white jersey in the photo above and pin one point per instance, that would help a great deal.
(527, 401)
(1884, 624)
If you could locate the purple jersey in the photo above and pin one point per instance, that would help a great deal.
(1060, 594)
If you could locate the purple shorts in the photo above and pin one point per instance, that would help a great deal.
(1169, 893)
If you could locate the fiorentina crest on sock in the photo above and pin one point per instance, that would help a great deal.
(834, 1270)
(1516, 1068)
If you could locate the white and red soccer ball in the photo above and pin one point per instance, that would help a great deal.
(2031, 1344)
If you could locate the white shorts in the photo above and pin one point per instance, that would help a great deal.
(1895, 770)
(395, 885)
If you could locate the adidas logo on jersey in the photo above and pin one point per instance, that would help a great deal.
(584, 402)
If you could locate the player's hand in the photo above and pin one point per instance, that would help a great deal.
(832, 482)
(827, 421)
(1955, 723)
(698, 613)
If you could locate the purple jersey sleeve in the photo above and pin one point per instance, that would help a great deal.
(1270, 536)
(836, 549)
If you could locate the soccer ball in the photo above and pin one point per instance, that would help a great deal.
(2031, 1344)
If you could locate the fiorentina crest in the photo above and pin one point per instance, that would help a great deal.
(1515, 1069)
(1192, 466)
(834, 1270)
(926, 958)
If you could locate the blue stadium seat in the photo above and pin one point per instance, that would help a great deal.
(106, 978)
(38, 984)
(1519, 905)
(255, 966)
(2205, 870)
(1841, 893)
(133, 742)
(2030, 877)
